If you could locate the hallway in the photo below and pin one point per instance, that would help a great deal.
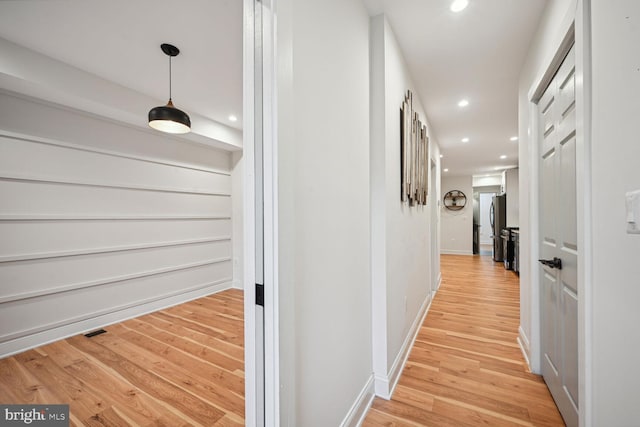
(466, 368)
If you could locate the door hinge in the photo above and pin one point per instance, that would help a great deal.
(259, 294)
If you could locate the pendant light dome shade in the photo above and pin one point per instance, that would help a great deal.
(167, 118)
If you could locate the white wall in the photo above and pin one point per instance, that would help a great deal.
(457, 226)
(237, 217)
(513, 197)
(323, 227)
(102, 222)
(401, 235)
(487, 181)
(614, 166)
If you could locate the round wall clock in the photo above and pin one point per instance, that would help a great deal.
(454, 200)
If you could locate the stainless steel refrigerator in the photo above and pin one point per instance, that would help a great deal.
(498, 217)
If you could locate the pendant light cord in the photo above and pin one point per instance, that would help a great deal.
(169, 78)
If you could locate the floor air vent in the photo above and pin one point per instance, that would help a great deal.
(94, 333)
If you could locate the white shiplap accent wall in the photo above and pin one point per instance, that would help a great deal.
(94, 233)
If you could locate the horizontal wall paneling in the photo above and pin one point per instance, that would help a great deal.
(91, 233)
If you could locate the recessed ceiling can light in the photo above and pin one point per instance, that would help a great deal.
(459, 5)
(441, 155)
(167, 118)
(446, 170)
(503, 156)
(465, 139)
(513, 138)
(463, 103)
(233, 118)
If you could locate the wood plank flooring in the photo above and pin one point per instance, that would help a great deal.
(181, 366)
(466, 368)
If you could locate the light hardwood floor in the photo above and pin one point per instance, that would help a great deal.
(176, 367)
(466, 368)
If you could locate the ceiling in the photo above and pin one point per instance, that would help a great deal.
(476, 55)
(119, 40)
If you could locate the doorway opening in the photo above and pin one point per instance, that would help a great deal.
(486, 228)
(483, 235)
(140, 233)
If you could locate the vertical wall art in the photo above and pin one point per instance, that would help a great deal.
(414, 155)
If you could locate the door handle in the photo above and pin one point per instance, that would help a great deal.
(553, 263)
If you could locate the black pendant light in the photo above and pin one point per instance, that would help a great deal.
(168, 118)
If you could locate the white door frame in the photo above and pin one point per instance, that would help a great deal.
(261, 399)
(250, 362)
(270, 194)
(434, 224)
(575, 28)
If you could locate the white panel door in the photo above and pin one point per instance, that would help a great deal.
(558, 246)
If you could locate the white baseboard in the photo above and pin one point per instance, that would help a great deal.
(385, 385)
(382, 386)
(21, 344)
(360, 407)
(523, 342)
(237, 285)
(454, 252)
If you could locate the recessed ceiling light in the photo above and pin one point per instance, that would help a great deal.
(514, 138)
(465, 139)
(459, 5)
(233, 118)
(463, 103)
(504, 156)
(441, 155)
(446, 170)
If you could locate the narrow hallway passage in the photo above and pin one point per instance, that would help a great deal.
(466, 368)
